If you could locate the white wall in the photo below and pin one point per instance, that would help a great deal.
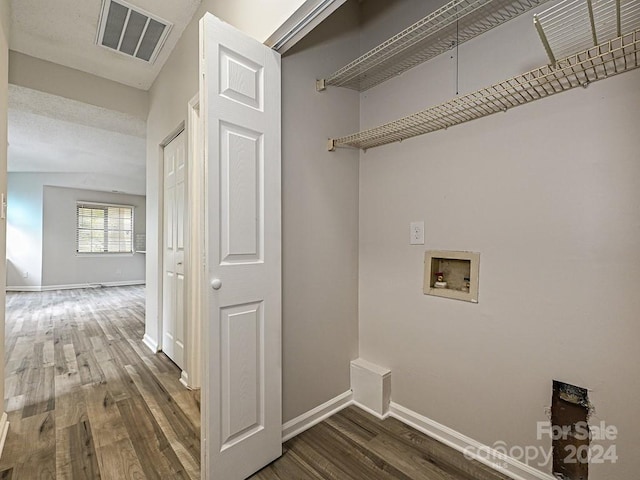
(59, 99)
(549, 194)
(60, 263)
(305, 384)
(26, 242)
(37, 74)
(176, 84)
(320, 218)
(24, 230)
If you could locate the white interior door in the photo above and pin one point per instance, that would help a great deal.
(173, 288)
(242, 393)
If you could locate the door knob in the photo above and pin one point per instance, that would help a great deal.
(216, 283)
(179, 263)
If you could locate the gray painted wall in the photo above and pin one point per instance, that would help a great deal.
(60, 263)
(549, 194)
(320, 218)
(28, 247)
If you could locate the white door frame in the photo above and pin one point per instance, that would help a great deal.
(167, 140)
(195, 257)
(191, 376)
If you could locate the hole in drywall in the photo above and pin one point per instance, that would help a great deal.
(569, 419)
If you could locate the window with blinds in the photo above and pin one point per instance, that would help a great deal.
(104, 228)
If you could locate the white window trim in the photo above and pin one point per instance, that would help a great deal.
(82, 203)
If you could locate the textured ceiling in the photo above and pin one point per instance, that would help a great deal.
(53, 134)
(64, 32)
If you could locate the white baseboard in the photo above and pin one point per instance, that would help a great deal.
(184, 379)
(25, 288)
(312, 417)
(151, 343)
(4, 430)
(492, 458)
(72, 286)
(370, 411)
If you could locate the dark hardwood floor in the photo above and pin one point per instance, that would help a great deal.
(87, 400)
(353, 445)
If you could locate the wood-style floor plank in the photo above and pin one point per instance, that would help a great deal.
(118, 461)
(86, 399)
(76, 453)
(184, 443)
(156, 457)
(31, 446)
(355, 445)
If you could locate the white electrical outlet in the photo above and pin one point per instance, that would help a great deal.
(416, 233)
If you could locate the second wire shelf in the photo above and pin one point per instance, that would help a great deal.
(610, 58)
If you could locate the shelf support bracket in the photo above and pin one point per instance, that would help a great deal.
(321, 85)
(331, 145)
(593, 23)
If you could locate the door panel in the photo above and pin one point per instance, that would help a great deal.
(241, 79)
(173, 294)
(240, 101)
(241, 162)
(242, 378)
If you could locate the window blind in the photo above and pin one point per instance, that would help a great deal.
(104, 228)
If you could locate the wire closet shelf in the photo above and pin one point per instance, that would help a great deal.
(610, 58)
(453, 24)
(574, 25)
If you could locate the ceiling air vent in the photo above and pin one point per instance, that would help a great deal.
(131, 31)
